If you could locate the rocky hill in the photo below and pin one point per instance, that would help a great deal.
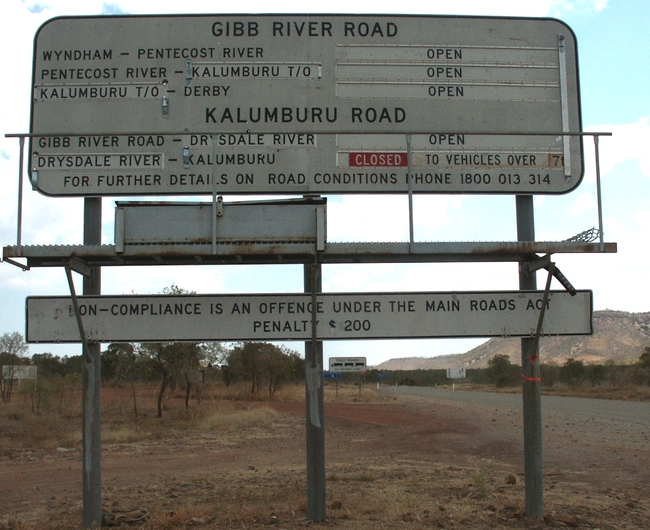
(618, 336)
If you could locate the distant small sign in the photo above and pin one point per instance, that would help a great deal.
(332, 375)
(18, 372)
(456, 373)
(347, 364)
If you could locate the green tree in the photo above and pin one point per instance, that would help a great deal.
(12, 347)
(259, 363)
(118, 362)
(597, 374)
(215, 353)
(48, 365)
(642, 368)
(549, 374)
(502, 372)
(246, 362)
(13, 343)
(172, 361)
(73, 364)
(284, 366)
(572, 372)
(644, 359)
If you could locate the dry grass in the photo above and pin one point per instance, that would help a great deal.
(53, 419)
(631, 393)
(378, 491)
(604, 391)
(366, 493)
(384, 493)
(352, 393)
(56, 423)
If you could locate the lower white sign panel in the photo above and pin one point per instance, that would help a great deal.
(347, 364)
(301, 164)
(340, 316)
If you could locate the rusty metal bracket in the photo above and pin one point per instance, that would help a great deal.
(545, 263)
(540, 263)
(79, 266)
(75, 305)
(542, 312)
(17, 264)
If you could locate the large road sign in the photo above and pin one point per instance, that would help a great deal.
(340, 316)
(302, 104)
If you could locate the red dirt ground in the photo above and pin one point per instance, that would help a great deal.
(465, 454)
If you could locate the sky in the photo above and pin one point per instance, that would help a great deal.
(613, 53)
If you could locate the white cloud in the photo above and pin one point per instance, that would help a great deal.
(558, 7)
(643, 218)
(474, 7)
(583, 203)
(364, 218)
(629, 141)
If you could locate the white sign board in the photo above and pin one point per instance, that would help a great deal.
(456, 373)
(303, 104)
(18, 371)
(340, 316)
(347, 364)
(296, 221)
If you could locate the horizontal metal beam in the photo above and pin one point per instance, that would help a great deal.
(298, 253)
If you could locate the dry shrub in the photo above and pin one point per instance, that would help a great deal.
(59, 423)
(23, 429)
(121, 434)
(626, 393)
(181, 517)
(235, 392)
(292, 392)
(349, 393)
(234, 420)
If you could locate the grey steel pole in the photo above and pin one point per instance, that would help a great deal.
(315, 431)
(409, 176)
(21, 163)
(532, 400)
(91, 380)
(599, 195)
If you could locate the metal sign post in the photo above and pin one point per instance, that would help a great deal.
(91, 381)
(532, 399)
(314, 407)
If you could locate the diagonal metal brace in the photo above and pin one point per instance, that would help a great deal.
(546, 263)
(79, 266)
(16, 264)
(75, 304)
(534, 350)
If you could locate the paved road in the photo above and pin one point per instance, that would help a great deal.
(623, 424)
(633, 412)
